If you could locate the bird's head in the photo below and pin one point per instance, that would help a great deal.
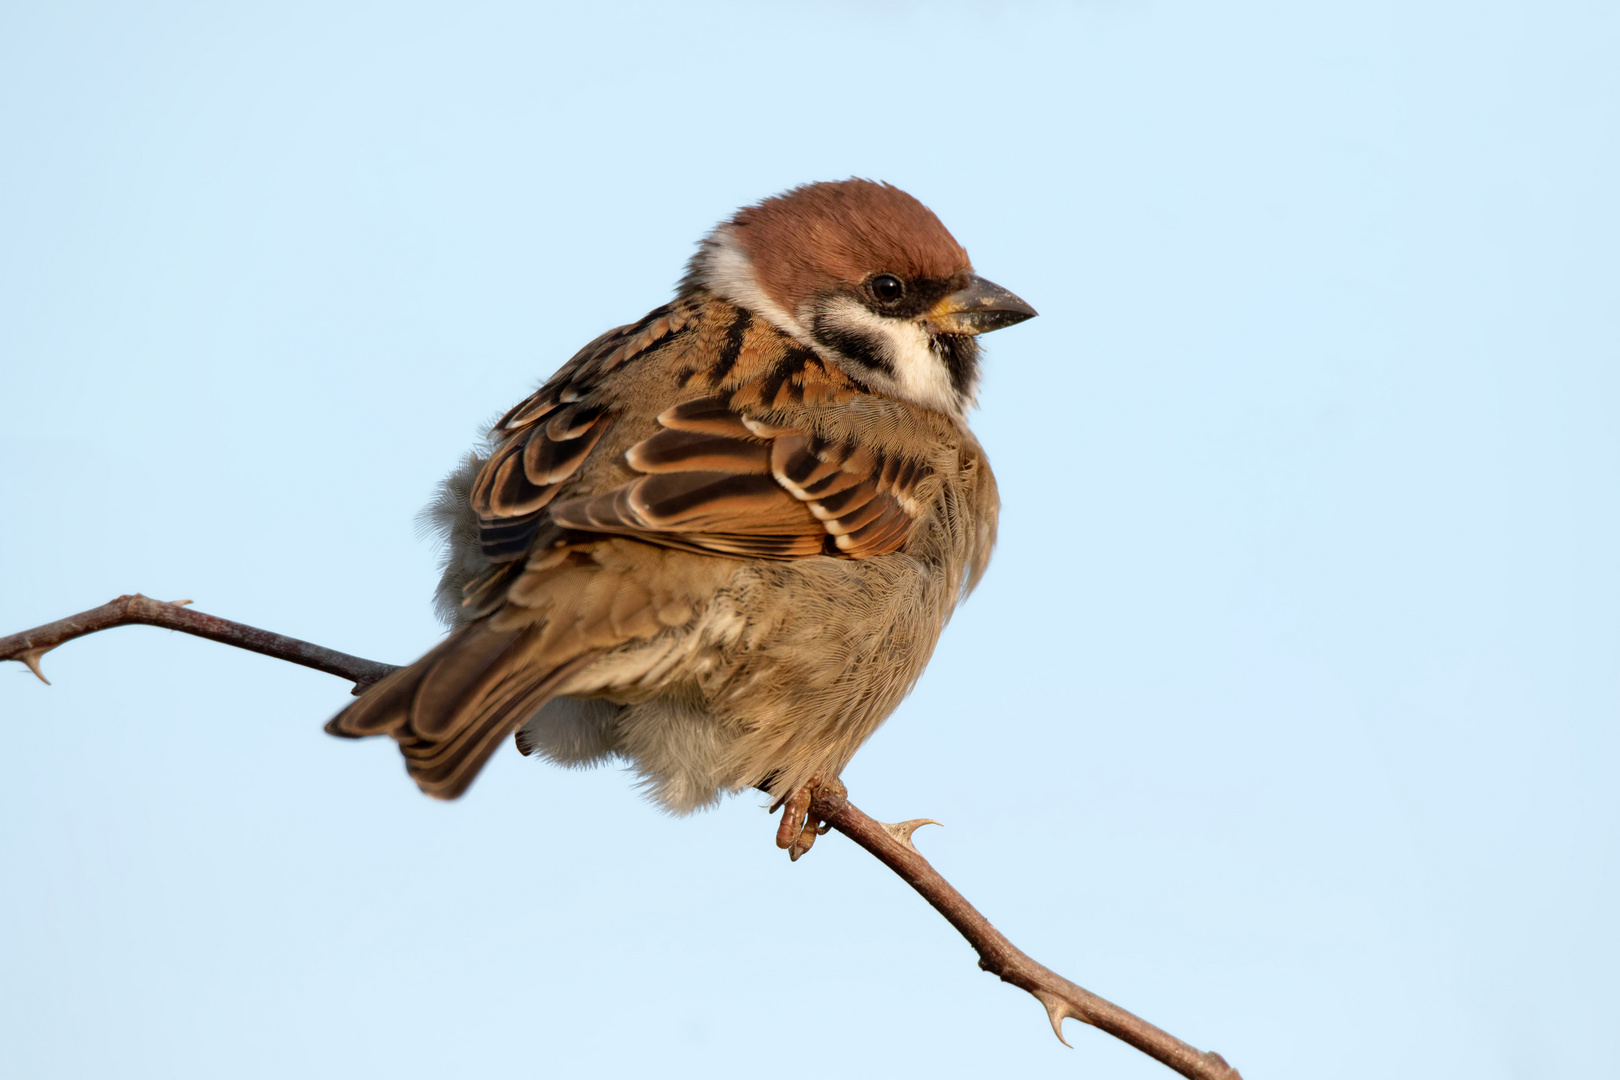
(870, 278)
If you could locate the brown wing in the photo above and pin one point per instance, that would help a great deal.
(548, 436)
(724, 473)
(715, 479)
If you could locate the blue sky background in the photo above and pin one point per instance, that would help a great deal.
(1285, 717)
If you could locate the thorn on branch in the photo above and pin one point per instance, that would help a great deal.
(1057, 1010)
(31, 658)
(902, 830)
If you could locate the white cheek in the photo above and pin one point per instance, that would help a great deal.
(920, 375)
(728, 272)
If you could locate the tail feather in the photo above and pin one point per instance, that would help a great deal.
(449, 711)
(467, 671)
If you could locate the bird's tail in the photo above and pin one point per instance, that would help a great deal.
(451, 709)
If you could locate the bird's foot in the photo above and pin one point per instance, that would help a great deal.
(804, 814)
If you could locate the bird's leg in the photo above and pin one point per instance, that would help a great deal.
(800, 827)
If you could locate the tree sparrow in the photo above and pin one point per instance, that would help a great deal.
(721, 542)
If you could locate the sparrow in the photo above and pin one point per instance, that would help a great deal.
(721, 542)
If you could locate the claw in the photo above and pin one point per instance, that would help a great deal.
(794, 811)
(800, 823)
(902, 830)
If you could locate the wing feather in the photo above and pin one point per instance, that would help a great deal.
(715, 479)
(727, 472)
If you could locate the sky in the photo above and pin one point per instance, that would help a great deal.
(1285, 716)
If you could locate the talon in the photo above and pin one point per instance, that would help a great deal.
(803, 844)
(794, 813)
(800, 824)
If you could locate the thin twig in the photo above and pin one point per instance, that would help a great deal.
(28, 646)
(891, 844)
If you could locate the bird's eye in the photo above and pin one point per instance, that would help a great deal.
(887, 288)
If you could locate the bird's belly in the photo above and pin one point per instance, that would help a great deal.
(783, 674)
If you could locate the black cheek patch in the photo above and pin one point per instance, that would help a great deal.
(868, 350)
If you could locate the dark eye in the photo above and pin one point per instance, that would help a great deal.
(887, 288)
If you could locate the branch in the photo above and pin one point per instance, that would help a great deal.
(891, 844)
(28, 646)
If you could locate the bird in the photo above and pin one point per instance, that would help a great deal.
(721, 542)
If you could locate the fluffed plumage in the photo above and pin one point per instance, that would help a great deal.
(721, 542)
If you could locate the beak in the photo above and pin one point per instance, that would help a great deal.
(978, 309)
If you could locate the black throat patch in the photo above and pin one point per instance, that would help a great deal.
(960, 354)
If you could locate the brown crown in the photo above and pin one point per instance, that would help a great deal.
(835, 233)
